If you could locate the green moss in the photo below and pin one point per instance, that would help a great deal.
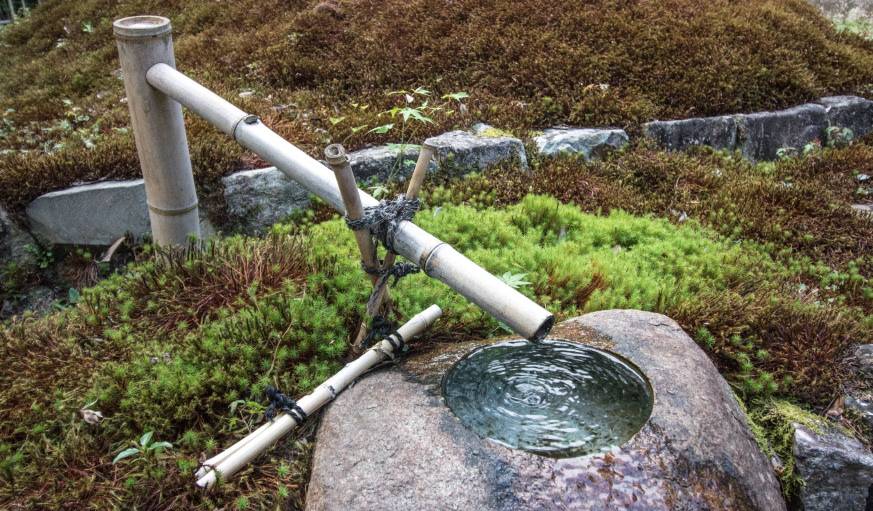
(772, 423)
(598, 63)
(185, 344)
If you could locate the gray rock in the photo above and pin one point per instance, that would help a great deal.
(460, 152)
(837, 470)
(864, 209)
(589, 143)
(850, 112)
(862, 358)
(861, 404)
(93, 214)
(385, 163)
(13, 240)
(389, 442)
(257, 199)
(716, 132)
(763, 134)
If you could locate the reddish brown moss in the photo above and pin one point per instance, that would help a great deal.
(527, 64)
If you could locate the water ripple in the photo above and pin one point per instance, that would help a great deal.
(553, 398)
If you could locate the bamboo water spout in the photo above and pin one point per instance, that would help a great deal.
(436, 258)
(238, 455)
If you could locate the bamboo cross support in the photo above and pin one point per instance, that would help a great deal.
(230, 461)
(415, 182)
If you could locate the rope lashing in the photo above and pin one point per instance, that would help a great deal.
(398, 271)
(279, 402)
(380, 328)
(383, 219)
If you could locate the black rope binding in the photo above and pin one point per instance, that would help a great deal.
(279, 402)
(398, 271)
(382, 220)
(380, 327)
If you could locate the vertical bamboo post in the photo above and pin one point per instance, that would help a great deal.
(159, 130)
(11, 9)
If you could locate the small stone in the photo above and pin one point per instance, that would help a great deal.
(460, 152)
(862, 405)
(862, 359)
(91, 417)
(837, 470)
(864, 209)
(257, 199)
(14, 241)
(246, 94)
(862, 178)
(585, 142)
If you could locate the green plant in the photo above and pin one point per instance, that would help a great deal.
(144, 449)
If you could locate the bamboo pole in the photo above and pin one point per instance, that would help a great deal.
(159, 130)
(415, 182)
(436, 258)
(227, 463)
(11, 9)
(338, 161)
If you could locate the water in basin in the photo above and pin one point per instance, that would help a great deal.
(553, 398)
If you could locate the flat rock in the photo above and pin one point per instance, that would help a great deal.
(837, 470)
(461, 152)
(389, 442)
(93, 214)
(586, 142)
(852, 112)
(257, 199)
(716, 132)
(761, 135)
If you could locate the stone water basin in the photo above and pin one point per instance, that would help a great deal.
(392, 442)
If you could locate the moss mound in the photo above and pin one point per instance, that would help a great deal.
(185, 348)
(525, 64)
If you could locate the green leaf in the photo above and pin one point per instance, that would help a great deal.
(514, 280)
(385, 128)
(73, 295)
(457, 96)
(127, 453)
(421, 91)
(336, 120)
(158, 446)
(146, 438)
(359, 128)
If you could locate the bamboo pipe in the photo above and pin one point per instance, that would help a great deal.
(159, 130)
(435, 257)
(338, 161)
(229, 462)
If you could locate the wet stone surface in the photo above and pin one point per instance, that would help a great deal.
(389, 442)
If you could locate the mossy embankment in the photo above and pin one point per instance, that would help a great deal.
(320, 71)
(185, 348)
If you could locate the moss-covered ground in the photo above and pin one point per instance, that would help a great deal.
(185, 347)
(321, 71)
(766, 265)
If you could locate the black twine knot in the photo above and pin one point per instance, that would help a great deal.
(383, 219)
(279, 402)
